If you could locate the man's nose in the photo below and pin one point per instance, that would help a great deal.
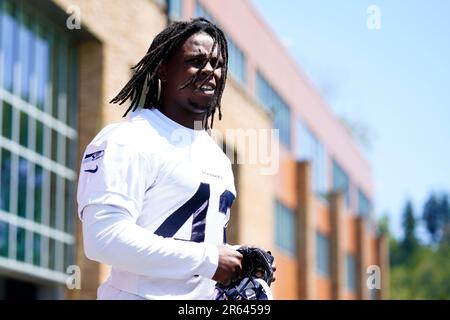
(208, 68)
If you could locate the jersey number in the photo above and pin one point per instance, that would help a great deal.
(197, 206)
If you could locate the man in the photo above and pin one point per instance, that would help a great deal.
(155, 191)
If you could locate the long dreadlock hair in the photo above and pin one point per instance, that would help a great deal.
(164, 44)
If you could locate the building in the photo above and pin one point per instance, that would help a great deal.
(61, 61)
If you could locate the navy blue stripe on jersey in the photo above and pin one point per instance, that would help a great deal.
(197, 206)
(199, 223)
(226, 200)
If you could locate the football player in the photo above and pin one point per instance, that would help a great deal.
(155, 190)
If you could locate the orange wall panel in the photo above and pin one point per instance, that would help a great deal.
(350, 234)
(286, 285)
(323, 288)
(286, 189)
(349, 296)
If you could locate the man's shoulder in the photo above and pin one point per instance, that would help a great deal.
(218, 149)
(132, 135)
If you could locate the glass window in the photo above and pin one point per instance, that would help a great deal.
(373, 294)
(42, 68)
(25, 55)
(5, 180)
(8, 34)
(69, 212)
(38, 181)
(23, 136)
(51, 254)
(236, 57)
(20, 249)
(39, 137)
(22, 194)
(323, 254)
(364, 206)
(70, 153)
(53, 199)
(28, 45)
(7, 114)
(72, 113)
(341, 182)
(350, 263)
(200, 11)
(175, 9)
(69, 255)
(236, 61)
(59, 256)
(54, 145)
(36, 249)
(4, 238)
(60, 99)
(273, 102)
(285, 226)
(311, 149)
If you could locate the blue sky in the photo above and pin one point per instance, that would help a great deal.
(395, 81)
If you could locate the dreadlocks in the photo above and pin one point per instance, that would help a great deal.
(160, 50)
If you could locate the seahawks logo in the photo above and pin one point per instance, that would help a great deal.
(93, 156)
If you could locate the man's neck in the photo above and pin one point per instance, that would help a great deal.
(183, 117)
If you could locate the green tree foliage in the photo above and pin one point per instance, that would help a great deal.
(409, 242)
(436, 214)
(426, 275)
(422, 271)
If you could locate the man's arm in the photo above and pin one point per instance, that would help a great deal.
(112, 237)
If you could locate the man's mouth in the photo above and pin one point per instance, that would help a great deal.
(206, 89)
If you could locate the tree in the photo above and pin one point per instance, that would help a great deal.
(436, 214)
(409, 242)
(432, 217)
(422, 271)
(445, 207)
(383, 225)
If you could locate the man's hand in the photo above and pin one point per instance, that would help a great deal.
(260, 273)
(230, 265)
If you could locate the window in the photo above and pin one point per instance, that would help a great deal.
(273, 103)
(341, 182)
(175, 9)
(364, 206)
(311, 149)
(285, 228)
(236, 58)
(236, 61)
(350, 272)
(200, 11)
(374, 294)
(322, 254)
(37, 132)
(4, 238)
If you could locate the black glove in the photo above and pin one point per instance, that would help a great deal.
(256, 260)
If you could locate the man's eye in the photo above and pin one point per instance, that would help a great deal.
(196, 61)
(219, 64)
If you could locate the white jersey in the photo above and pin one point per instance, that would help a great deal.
(175, 184)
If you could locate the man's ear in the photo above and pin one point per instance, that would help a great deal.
(162, 72)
